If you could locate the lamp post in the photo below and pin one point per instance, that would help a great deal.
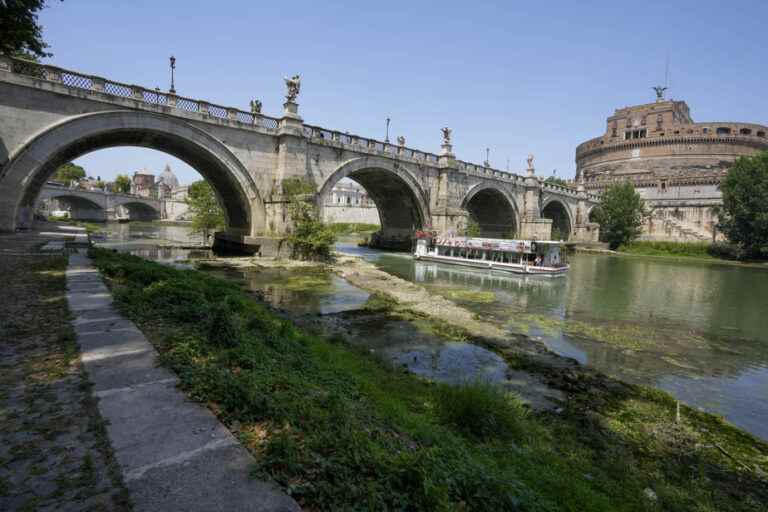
(172, 90)
(386, 137)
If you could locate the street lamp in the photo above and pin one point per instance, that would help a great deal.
(173, 67)
(386, 138)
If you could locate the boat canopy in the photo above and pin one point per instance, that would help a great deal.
(494, 244)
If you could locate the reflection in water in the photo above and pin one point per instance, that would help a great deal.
(695, 329)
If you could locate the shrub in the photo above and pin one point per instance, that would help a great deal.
(482, 411)
(224, 328)
(726, 250)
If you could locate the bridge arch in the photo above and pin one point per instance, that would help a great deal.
(396, 192)
(140, 210)
(562, 218)
(80, 208)
(494, 209)
(28, 169)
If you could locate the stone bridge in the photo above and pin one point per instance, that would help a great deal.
(49, 116)
(100, 205)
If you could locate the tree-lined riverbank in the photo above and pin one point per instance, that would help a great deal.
(336, 427)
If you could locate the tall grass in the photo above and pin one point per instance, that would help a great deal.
(654, 248)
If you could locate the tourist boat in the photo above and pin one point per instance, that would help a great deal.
(530, 257)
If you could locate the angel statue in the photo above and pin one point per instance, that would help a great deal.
(659, 92)
(530, 161)
(401, 141)
(255, 106)
(446, 135)
(294, 86)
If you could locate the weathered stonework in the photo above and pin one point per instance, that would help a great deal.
(675, 164)
(49, 116)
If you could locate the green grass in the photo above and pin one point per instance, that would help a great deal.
(686, 249)
(350, 228)
(338, 429)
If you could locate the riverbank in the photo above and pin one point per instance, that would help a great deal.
(336, 427)
(682, 255)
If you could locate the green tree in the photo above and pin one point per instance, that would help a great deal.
(122, 184)
(22, 35)
(310, 237)
(473, 227)
(204, 208)
(620, 214)
(744, 213)
(68, 173)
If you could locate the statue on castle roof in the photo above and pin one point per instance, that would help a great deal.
(446, 135)
(659, 92)
(293, 85)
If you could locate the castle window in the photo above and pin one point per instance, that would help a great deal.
(705, 130)
(663, 186)
(761, 134)
(677, 132)
(745, 131)
(615, 129)
(659, 120)
(628, 135)
(723, 131)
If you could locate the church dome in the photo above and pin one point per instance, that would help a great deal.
(168, 178)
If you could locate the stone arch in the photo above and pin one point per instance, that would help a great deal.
(494, 209)
(399, 197)
(562, 218)
(81, 208)
(28, 169)
(140, 210)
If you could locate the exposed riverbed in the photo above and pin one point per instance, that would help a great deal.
(695, 329)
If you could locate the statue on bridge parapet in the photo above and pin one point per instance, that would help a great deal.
(255, 107)
(446, 135)
(293, 85)
(401, 141)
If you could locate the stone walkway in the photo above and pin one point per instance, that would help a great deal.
(174, 453)
(54, 452)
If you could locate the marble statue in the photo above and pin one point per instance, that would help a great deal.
(293, 85)
(446, 135)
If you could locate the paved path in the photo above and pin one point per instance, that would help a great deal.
(174, 453)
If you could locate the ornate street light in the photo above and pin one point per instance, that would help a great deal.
(172, 90)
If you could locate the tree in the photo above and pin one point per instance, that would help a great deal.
(552, 180)
(620, 214)
(68, 173)
(122, 184)
(472, 228)
(22, 35)
(744, 213)
(206, 213)
(310, 237)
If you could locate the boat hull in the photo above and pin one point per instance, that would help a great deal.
(509, 268)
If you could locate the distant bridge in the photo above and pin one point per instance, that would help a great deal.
(99, 205)
(50, 115)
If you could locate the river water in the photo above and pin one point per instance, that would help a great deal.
(696, 329)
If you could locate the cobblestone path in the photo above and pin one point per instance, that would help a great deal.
(54, 452)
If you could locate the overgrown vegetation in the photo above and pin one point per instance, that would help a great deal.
(340, 430)
(652, 248)
(744, 215)
(310, 237)
(472, 228)
(620, 214)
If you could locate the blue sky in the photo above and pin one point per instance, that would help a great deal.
(516, 77)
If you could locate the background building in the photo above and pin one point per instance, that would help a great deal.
(675, 164)
(349, 202)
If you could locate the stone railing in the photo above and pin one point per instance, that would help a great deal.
(110, 88)
(317, 133)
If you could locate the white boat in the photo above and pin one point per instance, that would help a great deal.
(530, 257)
